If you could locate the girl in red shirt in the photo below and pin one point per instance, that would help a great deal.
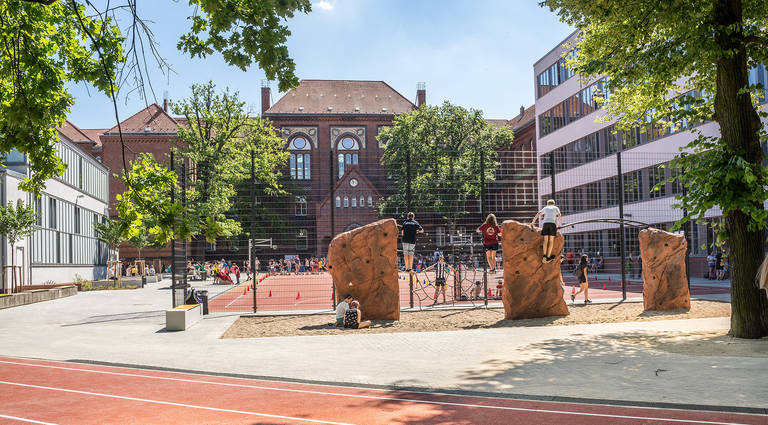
(491, 234)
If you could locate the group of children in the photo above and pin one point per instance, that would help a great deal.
(551, 219)
(349, 315)
(297, 266)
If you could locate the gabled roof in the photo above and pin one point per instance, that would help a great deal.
(152, 119)
(496, 122)
(521, 119)
(342, 97)
(74, 133)
(94, 133)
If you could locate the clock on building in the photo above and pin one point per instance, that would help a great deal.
(353, 182)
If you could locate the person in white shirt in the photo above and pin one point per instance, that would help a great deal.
(341, 309)
(551, 214)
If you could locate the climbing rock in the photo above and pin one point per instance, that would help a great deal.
(531, 288)
(664, 282)
(363, 263)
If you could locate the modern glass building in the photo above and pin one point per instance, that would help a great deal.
(64, 243)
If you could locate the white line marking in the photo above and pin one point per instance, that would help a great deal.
(371, 397)
(32, 421)
(232, 302)
(168, 403)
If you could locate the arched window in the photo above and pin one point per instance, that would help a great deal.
(362, 201)
(300, 161)
(354, 202)
(350, 157)
(370, 201)
(346, 202)
(338, 202)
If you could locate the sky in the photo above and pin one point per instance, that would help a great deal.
(473, 53)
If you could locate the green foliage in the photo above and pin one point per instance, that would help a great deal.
(147, 207)
(41, 49)
(219, 140)
(444, 146)
(246, 32)
(110, 232)
(16, 223)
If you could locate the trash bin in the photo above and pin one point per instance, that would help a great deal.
(143, 281)
(203, 299)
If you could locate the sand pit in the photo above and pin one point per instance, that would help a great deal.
(460, 319)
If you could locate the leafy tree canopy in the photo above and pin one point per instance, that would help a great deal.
(653, 54)
(442, 147)
(16, 223)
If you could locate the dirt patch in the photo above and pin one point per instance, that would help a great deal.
(476, 318)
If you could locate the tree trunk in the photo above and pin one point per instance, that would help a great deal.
(739, 126)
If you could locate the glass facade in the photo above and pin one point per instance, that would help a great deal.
(573, 108)
(554, 75)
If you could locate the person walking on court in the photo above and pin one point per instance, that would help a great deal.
(551, 215)
(353, 315)
(491, 234)
(236, 271)
(441, 273)
(581, 273)
(410, 228)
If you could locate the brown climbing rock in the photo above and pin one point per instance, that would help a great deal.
(531, 288)
(664, 282)
(363, 263)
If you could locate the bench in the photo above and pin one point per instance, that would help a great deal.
(182, 317)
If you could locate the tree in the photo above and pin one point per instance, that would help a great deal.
(45, 44)
(111, 233)
(441, 147)
(218, 141)
(16, 224)
(655, 51)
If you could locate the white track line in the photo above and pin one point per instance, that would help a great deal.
(371, 397)
(233, 301)
(31, 421)
(168, 403)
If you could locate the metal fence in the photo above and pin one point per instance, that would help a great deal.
(286, 234)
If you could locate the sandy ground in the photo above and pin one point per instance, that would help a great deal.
(476, 318)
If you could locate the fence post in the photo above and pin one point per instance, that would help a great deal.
(622, 237)
(552, 172)
(686, 232)
(407, 210)
(184, 209)
(173, 244)
(482, 216)
(253, 226)
(332, 206)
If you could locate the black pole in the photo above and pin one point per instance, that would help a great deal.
(552, 173)
(253, 226)
(622, 252)
(332, 206)
(407, 210)
(173, 246)
(184, 208)
(482, 215)
(686, 232)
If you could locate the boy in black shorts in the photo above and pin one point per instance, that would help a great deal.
(551, 215)
(441, 274)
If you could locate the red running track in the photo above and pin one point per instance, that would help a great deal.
(314, 292)
(48, 392)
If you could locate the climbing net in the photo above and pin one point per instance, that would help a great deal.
(464, 284)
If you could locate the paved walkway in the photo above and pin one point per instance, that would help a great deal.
(607, 361)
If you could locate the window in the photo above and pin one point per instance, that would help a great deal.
(77, 220)
(348, 158)
(210, 246)
(51, 213)
(346, 202)
(338, 202)
(572, 109)
(301, 206)
(354, 202)
(632, 187)
(301, 240)
(656, 177)
(370, 201)
(362, 202)
(676, 186)
(300, 166)
(440, 236)
(38, 206)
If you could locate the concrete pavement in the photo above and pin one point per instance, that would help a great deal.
(606, 361)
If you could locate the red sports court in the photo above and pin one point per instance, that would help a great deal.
(63, 393)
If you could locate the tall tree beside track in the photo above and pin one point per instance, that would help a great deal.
(650, 49)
